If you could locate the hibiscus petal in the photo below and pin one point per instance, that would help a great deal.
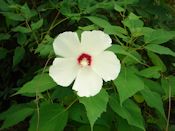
(94, 42)
(63, 71)
(66, 44)
(87, 83)
(106, 65)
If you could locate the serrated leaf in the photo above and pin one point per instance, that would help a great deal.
(15, 114)
(129, 111)
(52, 117)
(95, 105)
(151, 72)
(158, 36)
(121, 50)
(37, 25)
(153, 100)
(39, 83)
(127, 84)
(160, 49)
(22, 29)
(18, 55)
(13, 16)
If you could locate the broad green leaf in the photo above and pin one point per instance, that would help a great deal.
(129, 111)
(96, 128)
(52, 117)
(155, 59)
(160, 49)
(3, 53)
(128, 83)
(26, 11)
(22, 29)
(122, 125)
(119, 8)
(3, 5)
(151, 72)
(99, 21)
(4, 36)
(39, 83)
(15, 114)
(18, 55)
(153, 100)
(88, 27)
(95, 106)
(126, 2)
(121, 50)
(37, 25)
(13, 16)
(158, 36)
(77, 113)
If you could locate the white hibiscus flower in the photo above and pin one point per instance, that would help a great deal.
(84, 61)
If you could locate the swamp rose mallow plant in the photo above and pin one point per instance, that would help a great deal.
(84, 61)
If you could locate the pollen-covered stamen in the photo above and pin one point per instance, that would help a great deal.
(84, 59)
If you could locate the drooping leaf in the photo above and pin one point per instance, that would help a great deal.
(15, 114)
(95, 105)
(52, 117)
(39, 83)
(160, 49)
(22, 29)
(129, 111)
(154, 100)
(127, 84)
(18, 55)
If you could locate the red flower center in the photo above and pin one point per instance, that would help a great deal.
(84, 59)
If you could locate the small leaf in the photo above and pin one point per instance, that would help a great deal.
(160, 49)
(37, 25)
(18, 55)
(15, 114)
(3, 53)
(13, 16)
(27, 12)
(95, 106)
(99, 21)
(129, 111)
(119, 8)
(4, 36)
(22, 29)
(22, 38)
(151, 72)
(52, 117)
(128, 83)
(39, 83)
(153, 100)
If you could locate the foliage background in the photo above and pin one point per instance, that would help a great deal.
(141, 98)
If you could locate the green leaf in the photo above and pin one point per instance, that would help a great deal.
(13, 16)
(122, 50)
(118, 8)
(52, 117)
(158, 36)
(3, 5)
(155, 59)
(3, 53)
(22, 29)
(15, 114)
(153, 100)
(18, 55)
(150, 72)
(21, 39)
(39, 83)
(27, 12)
(37, 25)
(128, 83)
(99, 21)
(160, 49)
(95, 106)
(4, 36)
(129, 111)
